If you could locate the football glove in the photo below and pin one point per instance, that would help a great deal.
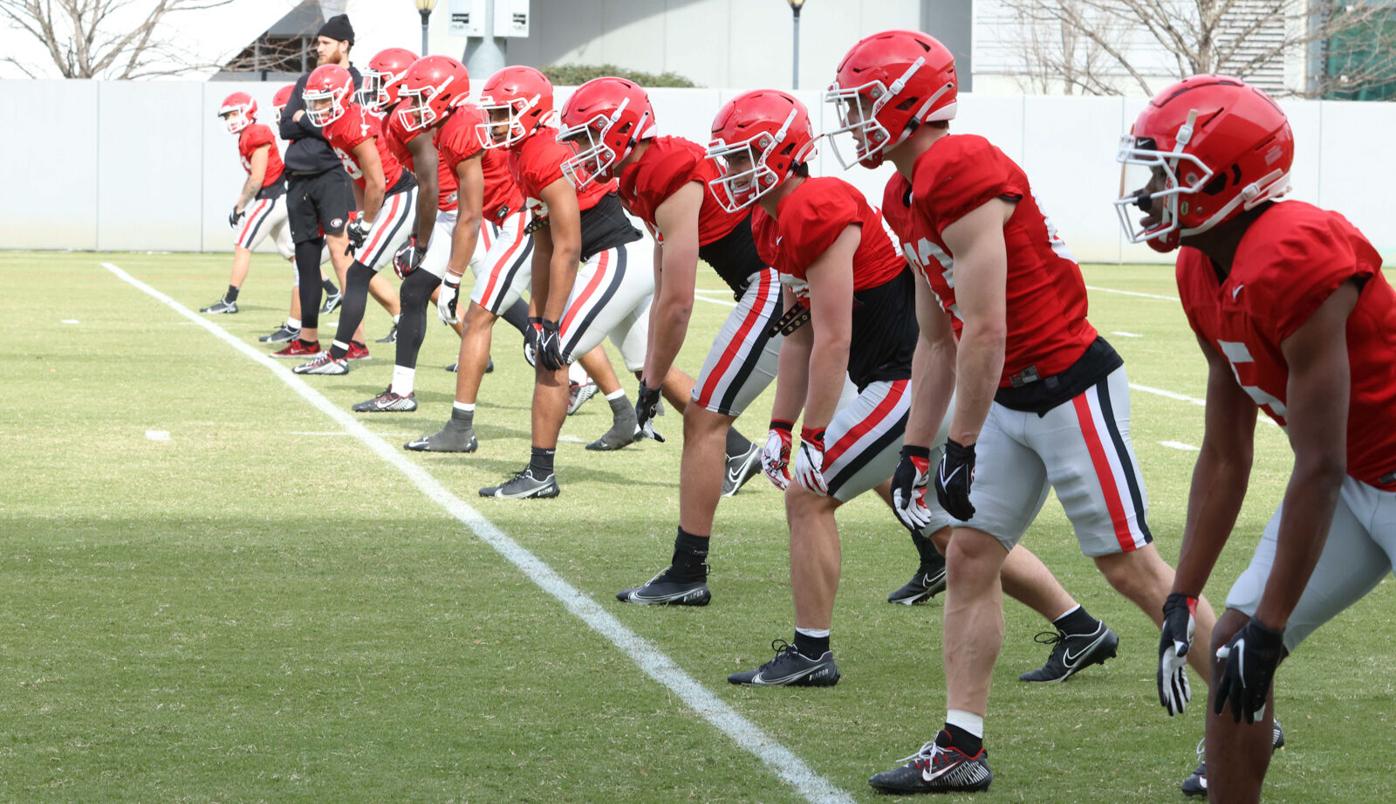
(953, 479)
(909, 483)
(446, 299)
(809, 463)
(1247, 664)
(549, 346)
(235, 217)
(1174, 690)
(358, 231)
(646, 408)
(408, 258)
(530, 344)
(775, 456)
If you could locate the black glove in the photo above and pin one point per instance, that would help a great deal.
(1247, 664)
(549, 346)
(408, 258)
(646, 408)
(953, 479)
(1175, 639)
(235, 217)
(530, 346)
(909, 488)
(358, 231)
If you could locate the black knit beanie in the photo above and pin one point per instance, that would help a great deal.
(338, 28)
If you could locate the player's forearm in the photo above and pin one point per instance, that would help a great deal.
(249, 189)
(464, 239)
(426, 213)
(932, 386)
(828, 365)
(978, 367)
(1308, 514)
(792, 377)
(1219, 482)
(374, 193)
(669, 321)
(562, 273)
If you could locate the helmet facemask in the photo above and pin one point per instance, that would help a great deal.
(373, 94)
(319, 112)
(744, 175)
(592, 157)
(858, 109)
(414, 106)
(236, 118)
(515, 132)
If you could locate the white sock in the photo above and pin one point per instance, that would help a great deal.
(577, 374)
(402, 380)
(340, 344)
(397, 318)
(1069, 611)
(464, 407)
(293, 323)
(616, 394)
(970, 722)
(817, 633)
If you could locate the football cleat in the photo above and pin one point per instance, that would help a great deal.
(281, 334)
(388, 402)
(455, 367)
(332, 301)
(578, 394)
(928, 582)
(220, 307)
(391, 337)
(324, 363)
(523, 486)
(663, 590)
(1196, 784)
(299, 348)
(740, 469)
(451, 438)
(790, 668)
(1072, 653)
(937, 769)
(357, 351)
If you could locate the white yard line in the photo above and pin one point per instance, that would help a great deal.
(1136, 294)
(649, 658)
(1191, 400)
(1124, 334)
(1179, 446)
(158, 435)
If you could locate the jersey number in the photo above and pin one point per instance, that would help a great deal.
(1243, 363)
(349, 164)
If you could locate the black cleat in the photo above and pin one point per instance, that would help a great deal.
(388, 402)
(936, 769)
(455, 367)
(663, 590)
(740, 469)
(281, 334)
(391, 337)
(1196, 784)
(1072, 653)
(452, 438)
(928, 582)
(220, 307)
(523, 486)
(332, 301)
(790, 668)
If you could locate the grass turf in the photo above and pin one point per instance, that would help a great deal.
(259, 608)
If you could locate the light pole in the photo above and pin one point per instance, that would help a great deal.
(424, 7)
(795, 6)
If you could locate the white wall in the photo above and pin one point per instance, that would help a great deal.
(148, 166)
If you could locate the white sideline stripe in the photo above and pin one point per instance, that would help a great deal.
(71, 321)
(1174, 395)
(1135, 293)
(657, 665)
(1180, 445)
(158, 435)
(1124, 334)
(318, 433)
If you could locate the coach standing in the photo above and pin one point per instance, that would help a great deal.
(320, 195)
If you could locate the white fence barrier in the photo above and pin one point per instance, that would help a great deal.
(149, 166)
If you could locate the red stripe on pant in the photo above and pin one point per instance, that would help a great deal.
(494, 269)
(382, 225)
(1113, 502)
(251, 219)
(587, 291)
(862, 428)
(734, 348)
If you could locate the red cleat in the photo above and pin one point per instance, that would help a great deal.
(298, 349)
(357, 351)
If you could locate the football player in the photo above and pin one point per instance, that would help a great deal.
(388, 193)
(1291, 309)
(664, 182)
(1041, 401)
(591, 272)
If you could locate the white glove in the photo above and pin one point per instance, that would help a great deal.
(775, 456)
(809, 463)
(446, 298)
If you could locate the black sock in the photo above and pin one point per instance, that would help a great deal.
(329, 286)
(415, 295)
(464, 418)
(690, 557)
(811, 647)
(541, 462)
(620, 405)
(1077, 622)
(308, 269)
(961, 739)
(926, 549)
(517, 315)
(737, 444)
(231, 295)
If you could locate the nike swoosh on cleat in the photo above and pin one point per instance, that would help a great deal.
(931, 777)
(1070, 661)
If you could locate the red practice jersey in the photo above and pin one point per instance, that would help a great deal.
(398, 137)
(254, 137)
(536, 162)
(667, 165)
(352, 128)
(1288, 263)
(456, 142)
(1046, 295)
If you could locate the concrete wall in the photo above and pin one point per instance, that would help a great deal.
(148, 166)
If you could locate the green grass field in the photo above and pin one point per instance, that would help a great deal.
(261, 607)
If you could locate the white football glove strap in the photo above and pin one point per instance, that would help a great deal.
(775, 461)
(809, 469)
(913, 513)
(450, 291)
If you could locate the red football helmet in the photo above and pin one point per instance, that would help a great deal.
(525, 94)
(1211, 147)
(281, 98)
(758, 138)
(379, 89)
(886, 85)
(430, 89)
(327, 94)
(239, 111)
(602, 121)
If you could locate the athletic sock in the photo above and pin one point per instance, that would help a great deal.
(517, 315)
(402, 380)
(690, 557)
(618, 394)
(737, 444)
(231, 295)
(926, 549)
(293, 324)
(1076, 621)
(541, 462)
(329, 287)
(338, 350)
(964, 730)
(462, 415)
(812, 643)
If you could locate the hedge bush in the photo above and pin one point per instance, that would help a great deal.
(571, 75)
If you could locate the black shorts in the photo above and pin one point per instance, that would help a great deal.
(319, 204)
